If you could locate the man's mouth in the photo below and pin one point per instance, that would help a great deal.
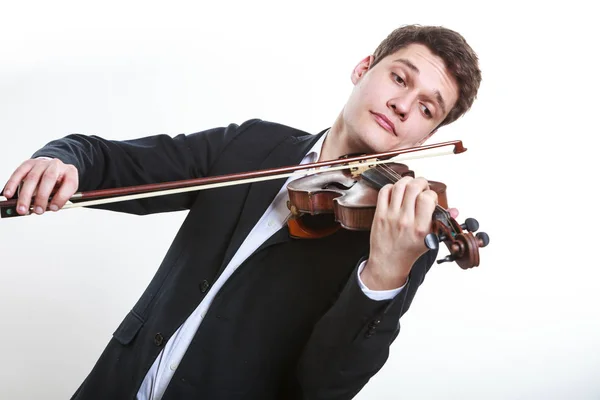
(385, 123)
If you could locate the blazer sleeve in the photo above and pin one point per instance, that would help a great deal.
(351, 342)
(103, 163)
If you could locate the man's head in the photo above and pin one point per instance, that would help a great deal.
(417, 80)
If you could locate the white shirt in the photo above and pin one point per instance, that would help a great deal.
(165, 365)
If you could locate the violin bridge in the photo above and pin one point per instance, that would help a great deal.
(357, 168)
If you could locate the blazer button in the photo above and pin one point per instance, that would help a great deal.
(159, 339)
(204, 285)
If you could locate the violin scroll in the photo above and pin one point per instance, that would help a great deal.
(458, 238)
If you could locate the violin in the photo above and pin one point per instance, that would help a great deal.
(344, 189)
(350, 197)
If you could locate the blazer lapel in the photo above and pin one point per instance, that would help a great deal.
(290, 152)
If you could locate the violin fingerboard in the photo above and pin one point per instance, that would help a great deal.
(378, 178)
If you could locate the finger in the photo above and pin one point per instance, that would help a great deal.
(68, 187)
(45, 186)
(413, 189)
(398, 193)
(383, 201)
(424, 208)
(453, 212)
(29, 185)
(16, 178)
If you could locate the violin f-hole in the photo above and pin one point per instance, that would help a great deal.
(337, 185)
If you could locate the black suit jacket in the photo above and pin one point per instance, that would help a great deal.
(291, 323)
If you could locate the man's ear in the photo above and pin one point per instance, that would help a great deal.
(361, 69)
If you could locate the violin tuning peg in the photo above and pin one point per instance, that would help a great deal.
(432, 241)
(484, 239)
(470, 225)
(448, 258)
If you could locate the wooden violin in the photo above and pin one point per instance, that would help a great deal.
(350, 196)
(347, 190)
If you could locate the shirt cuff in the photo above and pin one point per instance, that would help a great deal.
(377, 294)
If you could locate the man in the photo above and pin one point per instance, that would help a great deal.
(238, 309)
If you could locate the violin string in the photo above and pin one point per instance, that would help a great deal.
(389, 176)
(386, 168)
(388, 172)
(383, 173)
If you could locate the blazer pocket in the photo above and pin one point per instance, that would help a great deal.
(128, 328)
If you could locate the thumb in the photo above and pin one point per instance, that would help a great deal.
(453, 212)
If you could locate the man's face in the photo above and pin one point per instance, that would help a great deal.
(400, 101)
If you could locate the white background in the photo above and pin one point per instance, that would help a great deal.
(524, 325)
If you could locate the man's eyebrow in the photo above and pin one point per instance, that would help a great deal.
(438, 96)
(440, 101)
(408, 64)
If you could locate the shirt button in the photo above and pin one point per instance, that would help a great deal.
(173, 367)
(159, 339)
(204, 285)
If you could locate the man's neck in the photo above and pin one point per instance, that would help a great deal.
(337, 142)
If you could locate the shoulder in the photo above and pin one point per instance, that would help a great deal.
(270, 130)
(257, 134)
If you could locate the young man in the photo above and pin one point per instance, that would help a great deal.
(238, 309)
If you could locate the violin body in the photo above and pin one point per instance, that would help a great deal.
(350, 199)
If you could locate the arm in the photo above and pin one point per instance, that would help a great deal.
(376, 294)
(97, 163)
(350, 343)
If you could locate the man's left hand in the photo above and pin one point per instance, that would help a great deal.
(403, 217)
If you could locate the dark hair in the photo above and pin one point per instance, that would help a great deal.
(460, 59)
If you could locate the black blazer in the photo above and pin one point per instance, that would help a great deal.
(291, 322)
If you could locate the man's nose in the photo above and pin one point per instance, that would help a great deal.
(401, 106)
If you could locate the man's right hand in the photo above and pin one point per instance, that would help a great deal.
(41, 177)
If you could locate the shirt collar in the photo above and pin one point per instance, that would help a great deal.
(315, 152)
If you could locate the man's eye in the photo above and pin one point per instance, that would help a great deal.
(398, 79)
(426, 111)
